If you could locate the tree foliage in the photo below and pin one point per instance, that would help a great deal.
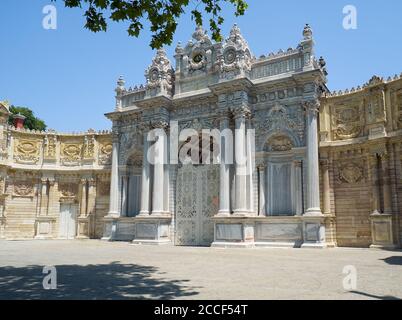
(161, 14)
(31, 122)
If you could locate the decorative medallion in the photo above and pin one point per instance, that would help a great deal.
(27, 151)
(350, 173)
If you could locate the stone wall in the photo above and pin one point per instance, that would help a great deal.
(42, 172)
(361, 139)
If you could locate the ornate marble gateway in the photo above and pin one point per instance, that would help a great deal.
(224, 89)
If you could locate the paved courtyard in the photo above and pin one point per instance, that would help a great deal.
(102, 270)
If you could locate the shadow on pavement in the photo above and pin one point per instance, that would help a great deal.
(395, 260)
(109, 281)
(374, 296)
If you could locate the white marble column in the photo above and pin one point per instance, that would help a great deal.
(124, 196)
(240, 164)
(313, 181)
(159, 175)
(114, 180)
(224, 193)
(145, 181)
(261, 199)
(250, 152)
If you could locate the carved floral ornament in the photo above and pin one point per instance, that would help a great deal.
(350, 172)
(27, 151)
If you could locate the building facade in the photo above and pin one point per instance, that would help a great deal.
(324, 169)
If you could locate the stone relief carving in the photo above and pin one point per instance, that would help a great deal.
(50, 147)
(375, 108)
(89, 147)
(105, 154)
(27, 151)
(199, 124)
(23, 189)
(68, 191)
(347, 122)
(350, 172)
(71, 154)
(280, 118)
(280, 143)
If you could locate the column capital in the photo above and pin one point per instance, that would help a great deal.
(115, 136)
(242, 111)
(160, 124)
(312, 106)
(324, 163)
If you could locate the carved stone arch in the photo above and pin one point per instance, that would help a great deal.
(286, 141)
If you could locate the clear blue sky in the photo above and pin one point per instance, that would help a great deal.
(68, 76)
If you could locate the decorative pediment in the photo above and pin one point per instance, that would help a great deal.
(197, 55)
(160, 75)
(236, 57)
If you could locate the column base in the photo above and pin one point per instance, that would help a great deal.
(241, 213)
(313, 246)
(313, 212)
(151, 242)
(223, 214)
(232, 245)
(278, 245)
(143, 214)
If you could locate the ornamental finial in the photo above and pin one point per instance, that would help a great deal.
(307, 32)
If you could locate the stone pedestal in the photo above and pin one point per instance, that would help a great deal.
(110, 228)
(233, 232)
(381, 231)
(152, 231)
(45, 227)
(83, 227)
(314, 232)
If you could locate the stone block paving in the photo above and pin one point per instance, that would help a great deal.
(116, 270)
